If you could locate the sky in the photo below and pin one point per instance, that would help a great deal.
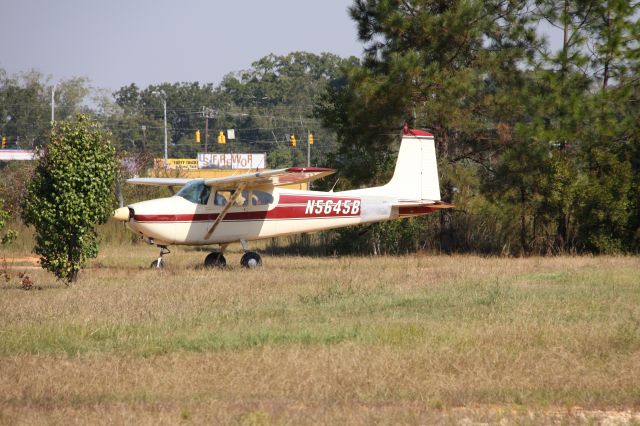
(118, 42)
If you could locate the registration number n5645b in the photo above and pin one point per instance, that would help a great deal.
(333, 207)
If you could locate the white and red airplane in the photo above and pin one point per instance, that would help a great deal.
(253, 206)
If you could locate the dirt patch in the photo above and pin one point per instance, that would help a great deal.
(32, 260)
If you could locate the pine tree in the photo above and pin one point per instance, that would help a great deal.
(453, 67)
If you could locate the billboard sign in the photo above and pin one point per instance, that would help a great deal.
(176, 163)
(231, 161)
(16, 154)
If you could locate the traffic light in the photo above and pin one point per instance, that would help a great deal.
(198, 136)
(310, 138)
(292, 140)
(4, 142)
(221, 139)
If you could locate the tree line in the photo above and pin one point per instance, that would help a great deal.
(538, 146)
(264, 104)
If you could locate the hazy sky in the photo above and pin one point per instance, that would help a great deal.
(117, 42)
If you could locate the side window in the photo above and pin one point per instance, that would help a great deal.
(243, 199)
(221, 198)
(260, 198)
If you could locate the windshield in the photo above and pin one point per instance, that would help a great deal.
(195, 191)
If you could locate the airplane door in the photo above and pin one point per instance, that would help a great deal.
(232, 226)
(259, 205)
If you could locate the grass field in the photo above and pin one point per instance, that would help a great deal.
(401, 340)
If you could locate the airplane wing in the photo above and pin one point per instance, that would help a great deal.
(279, 177)
(291, 175)
(158, 181)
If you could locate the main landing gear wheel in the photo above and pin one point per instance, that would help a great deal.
(215, 260)
(251, 260)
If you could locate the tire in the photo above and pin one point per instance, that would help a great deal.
(251, 260)
(155, 264)
(215, 260)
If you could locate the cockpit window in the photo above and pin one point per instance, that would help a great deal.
(195, 191)
(259, 198)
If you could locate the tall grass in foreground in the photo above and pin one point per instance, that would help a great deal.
(308, 340)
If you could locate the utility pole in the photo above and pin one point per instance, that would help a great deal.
(308, 148)
(206, 134)
(207, 113)
(166, 155)
(144, 138)
(53, 103)
(164, 104)
(308, 144)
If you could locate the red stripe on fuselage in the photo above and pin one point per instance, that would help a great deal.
(279, 212)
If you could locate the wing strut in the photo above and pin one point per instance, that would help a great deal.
(226, 208)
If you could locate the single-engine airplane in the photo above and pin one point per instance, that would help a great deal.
(253, 206)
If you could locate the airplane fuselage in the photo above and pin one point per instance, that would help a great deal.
(177, 220)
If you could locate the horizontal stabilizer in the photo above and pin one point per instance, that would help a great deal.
(420, 207)
(425, 203)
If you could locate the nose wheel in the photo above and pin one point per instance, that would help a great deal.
(159, 262)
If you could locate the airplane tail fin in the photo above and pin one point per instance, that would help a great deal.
(416, 173)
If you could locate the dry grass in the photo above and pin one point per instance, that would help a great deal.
(415, 339)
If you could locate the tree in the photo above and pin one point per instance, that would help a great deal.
(70, 193)
(614, 35)
(549, 137)
(10, 235)
(24, 111)
(454, 67)
(15, 175)
(264, 104)
(274, 98)
(25, 106)
(578, 107)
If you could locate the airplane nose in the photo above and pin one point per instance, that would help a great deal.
(123, 214)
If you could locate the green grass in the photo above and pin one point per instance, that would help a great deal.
(458, 314)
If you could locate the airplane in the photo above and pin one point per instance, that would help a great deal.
(253, 206)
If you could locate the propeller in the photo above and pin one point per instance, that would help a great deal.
(123, 213)
(119, 194)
